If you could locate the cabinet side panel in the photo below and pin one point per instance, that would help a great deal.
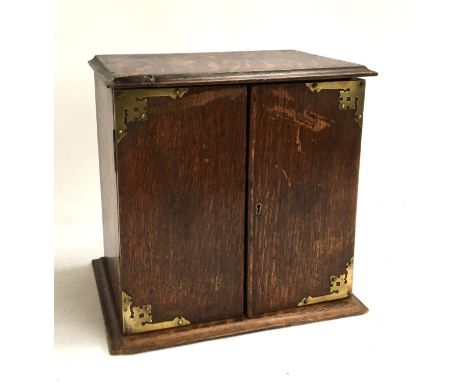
(303, 177)
(108, 180)
(181, 177)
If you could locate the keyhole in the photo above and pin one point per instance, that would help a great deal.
(258, 208)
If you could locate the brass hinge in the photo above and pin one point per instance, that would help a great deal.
(351, 94)
(340, 287)
(138, 319)
(132, 105)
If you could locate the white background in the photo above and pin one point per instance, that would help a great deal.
(411, 259)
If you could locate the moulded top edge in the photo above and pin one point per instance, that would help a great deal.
(163, 70)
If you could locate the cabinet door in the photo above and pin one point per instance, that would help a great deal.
(181, 182)
(303, 177)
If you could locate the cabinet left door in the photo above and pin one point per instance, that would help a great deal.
(180, 159)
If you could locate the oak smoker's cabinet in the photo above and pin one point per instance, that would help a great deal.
(229, 185)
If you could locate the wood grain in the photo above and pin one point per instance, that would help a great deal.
(231, 204)
(188, 69)
(181, 181)
(303, 170)
(119, 344)
(108, 179)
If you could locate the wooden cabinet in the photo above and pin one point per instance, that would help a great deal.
(229, 187)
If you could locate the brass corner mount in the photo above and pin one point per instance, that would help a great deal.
(132, 106)
(340, 287)
(138, 319)
(351, 95)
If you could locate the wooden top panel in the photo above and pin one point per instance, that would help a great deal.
(163, 70)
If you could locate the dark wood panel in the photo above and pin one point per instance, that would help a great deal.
(120, 344)
(183, 69)
(181, 177)
(108, 179)
(303, 169)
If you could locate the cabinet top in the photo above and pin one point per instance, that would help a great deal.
(122, 71)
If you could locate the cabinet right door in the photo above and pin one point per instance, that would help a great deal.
(303, 162)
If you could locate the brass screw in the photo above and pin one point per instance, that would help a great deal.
(143, 116)
(343, 106)
(120, 131)
(360, 116)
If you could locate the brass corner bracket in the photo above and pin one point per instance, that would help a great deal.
(340, 287)
(351, 94)
(132, 105)
(138, 319)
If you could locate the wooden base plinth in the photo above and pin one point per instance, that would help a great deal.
(135, 343)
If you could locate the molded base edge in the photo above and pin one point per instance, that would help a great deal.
(136, 343)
